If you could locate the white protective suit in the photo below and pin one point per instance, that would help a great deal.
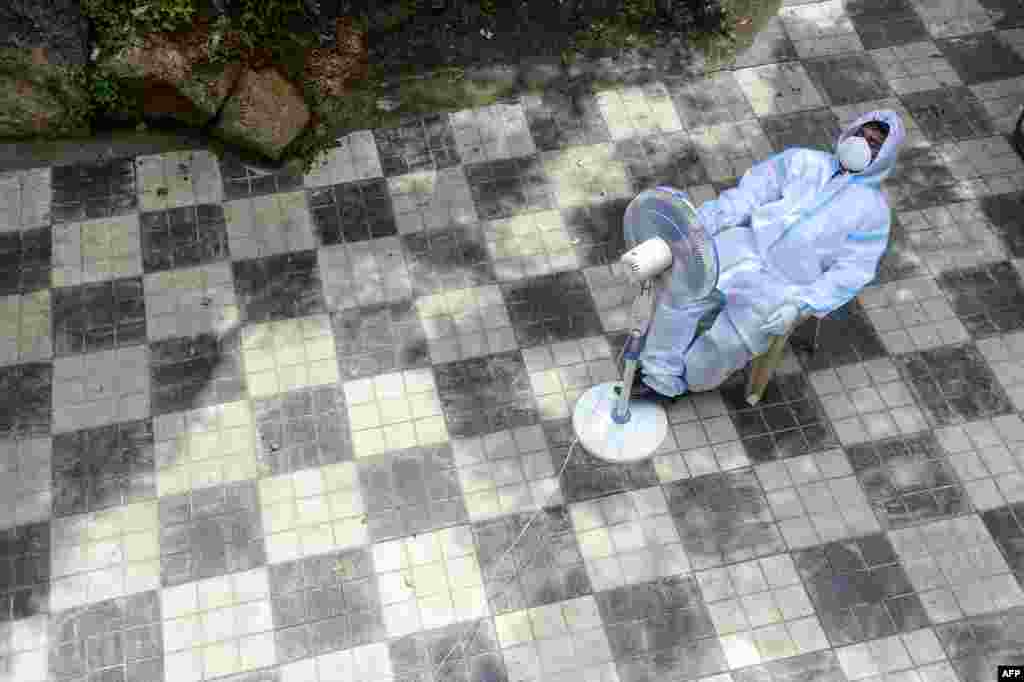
(791, 231)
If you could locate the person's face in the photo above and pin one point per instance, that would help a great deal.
(873, 136)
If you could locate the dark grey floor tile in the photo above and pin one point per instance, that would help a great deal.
(93, 190)
(948, 114)
(325, 603)
(1006, 524)
(899, 261)
(25, 259)
(302, 429)
(26, 410)
(465, 652)
(98, 316)
(1006, 13)
(660, 630)
(210, 532)
(816, 128)
(186, 373)
(954, 384)
(844, 337)
(352, 212)
(886, 23)
(771, 45)
(669, 159)
(597, 231)
(860, 590)
(908, 480)
(988, 299)
(379, 338)
(981, 57)
(587, 477)
(417, 144)
(558, 120)
(242, 181)
(544, 567)
(183, 237)
(115, 639)
(502, 189)
(975, 646)
(723, 518)
(449, 258)
(819, 666)
(788, 422)
(103, 467)
(1004, 212)
(848, 79)
(411, 491)
(279, 287)
(24, 571)
(485, 394)
(551, 308)
(706, 102)
(924, 180)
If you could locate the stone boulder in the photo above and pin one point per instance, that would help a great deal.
(37, 99)
(334, 68)
(264, 113)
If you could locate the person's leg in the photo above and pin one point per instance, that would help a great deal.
(671, 332)
(715, 355)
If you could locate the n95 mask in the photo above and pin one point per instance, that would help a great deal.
(854, 153)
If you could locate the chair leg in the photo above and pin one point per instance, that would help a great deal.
(762, 367)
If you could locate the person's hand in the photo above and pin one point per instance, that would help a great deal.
(781, 319)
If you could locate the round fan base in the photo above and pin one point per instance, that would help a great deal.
(635, 440)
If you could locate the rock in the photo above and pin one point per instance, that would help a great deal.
(56, 26)
(37, 99)
(264, 114)
(334, 68)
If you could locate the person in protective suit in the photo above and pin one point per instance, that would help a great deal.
(801, 235)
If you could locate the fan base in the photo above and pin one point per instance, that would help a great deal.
(633, 441)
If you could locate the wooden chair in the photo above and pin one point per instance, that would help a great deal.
(763, 366)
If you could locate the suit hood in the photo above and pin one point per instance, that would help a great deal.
(885, 162)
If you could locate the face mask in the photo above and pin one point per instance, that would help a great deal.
(854, 153)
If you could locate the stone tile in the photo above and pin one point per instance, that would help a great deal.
(104, 555)
(440, 655)
(895, 656)
(1006, 525)
(98, 317)
(886, 24)
(1004, 355)
(219, 626)
(312, 511)
(26, 649)
(325, 603)
(1005, 14)
(379, 338)
(560, 373)
(1001, 100)
(723, 518)
(242, 181)
(425, 143)
(860, 590)
(613, 296)
(431, 200)
(817, 129)
(710, 101)
(120, 638)
(492, 132)
(206, 447)
(465, 323)
(108, 466)
(96, 250)
(848, 78)
(595, 232)
(363, 273)
(25, 328)
(976, 645)
(351, 212)
(551, 309)
(728, 150)
(25, 482)
(279, 287)
(988, 299)
(101, 388)
(984, 166)
(289, 354)
(957, 18)
(25, 258)
(209, 533)
(544, 567)
(183, 237)
(819, 665)
(191, 302)
(429, 581)
(820, 29)
(502, 189)
(269, 225)
(915, 67)
(816, 499)
(352, 158)
(668, 159)
(89, 191)
(25, 197)
(951, 113)
(370, 663)
(395, 411)
(912, 314)
(952, 237)
(558, 120)
(411, 491)
(908, 480)
(1002, 212)
(449, 258)
(957, 569)
(180, 178)
(27, 412)
(638, 110)
(982, 57)
(661, 630)
(26, 553)
(536, 244)
(189, 373)
(580, 176)
(303, 429)
(988, 456)
(899, 260)
(771, 44)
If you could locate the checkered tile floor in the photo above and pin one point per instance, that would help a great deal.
(269, 428)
